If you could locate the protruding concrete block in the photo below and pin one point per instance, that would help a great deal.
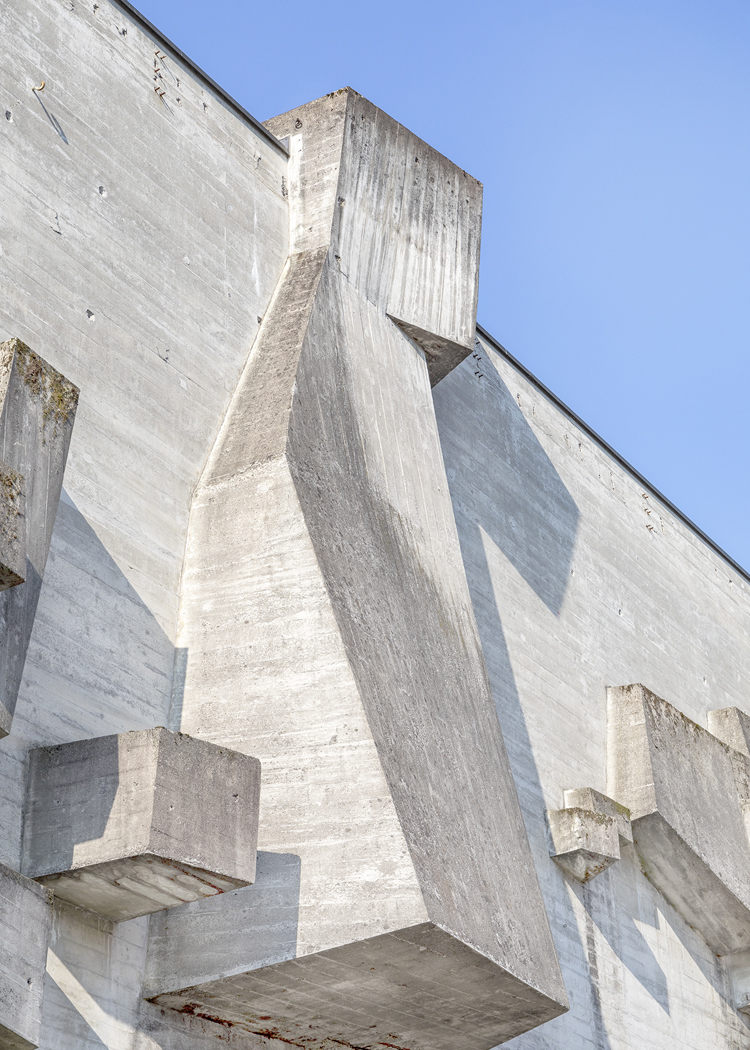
(37, 411)
(127, 825)
(685, 790)
(585, 842)
(25, 925)
(732, 726)
(323, 554)
(12, 527)
(412, 989)
(596, 802)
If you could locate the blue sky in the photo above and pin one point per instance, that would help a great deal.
(612, 138)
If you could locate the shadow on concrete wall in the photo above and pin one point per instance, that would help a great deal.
(517, 498)
(521, 501)
(233, 932)
(99, 663)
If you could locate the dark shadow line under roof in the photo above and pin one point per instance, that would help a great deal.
(612, 452)
(232, 103)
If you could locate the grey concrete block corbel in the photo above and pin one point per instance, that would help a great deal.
(37, 412)
(131, 824)
(25, 926)
(688, 791)
(587, 833)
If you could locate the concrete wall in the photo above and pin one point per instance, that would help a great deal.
(582, 579)
(141, 239)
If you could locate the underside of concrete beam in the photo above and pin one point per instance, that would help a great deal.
(128, 825)
(413, 989)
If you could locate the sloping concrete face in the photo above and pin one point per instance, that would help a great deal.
(685, 790)
(324, 580)
(12, 527)
(25, 924)
(127, 825)
(36, 421)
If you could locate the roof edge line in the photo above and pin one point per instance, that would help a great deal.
(612, 452)
(196, 70)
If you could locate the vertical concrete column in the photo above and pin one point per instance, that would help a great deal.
(325, 609)
(25, 926)
(36, 421)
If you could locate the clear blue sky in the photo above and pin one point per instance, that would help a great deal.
(612, 138)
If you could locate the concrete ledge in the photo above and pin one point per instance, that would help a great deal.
(687, 792)
(25, 925)
(413, 989)
(131, 824)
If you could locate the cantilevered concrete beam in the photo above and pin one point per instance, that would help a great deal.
(587, 834)
(37, 412)
(686, 791)
(25, 925)
(329, 630)
(127, 825)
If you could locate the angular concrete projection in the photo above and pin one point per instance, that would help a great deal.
(586, 835)
(732, 726)
(127, 825)
(25, 925)
(413, 988)
(596, 802)
(330, 630)
(685, 790)
(12, 527)
(36, 421)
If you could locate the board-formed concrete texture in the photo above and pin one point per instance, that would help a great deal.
(12, 527)
(685, 790)
(153, 235)
(596, 802)
(322, 525)
(413, 988)
(731, 725)
(127, 825)
(585, 841)
(38, 409)
(25, 925)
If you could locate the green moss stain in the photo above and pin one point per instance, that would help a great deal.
(58, 395)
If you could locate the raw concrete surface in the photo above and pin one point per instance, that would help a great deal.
(412, 989)
(143, 238)
(684, 790)
(581, 577)
(330, 450)
(127, 825)
(12, 527)
(584, 842)
(732, 725)
(596, 802)
(36, 421)
(25, 925)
